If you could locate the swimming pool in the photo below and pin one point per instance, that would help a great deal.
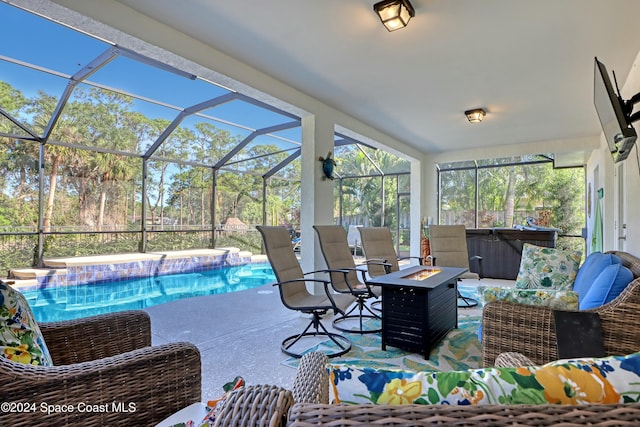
(73, 302)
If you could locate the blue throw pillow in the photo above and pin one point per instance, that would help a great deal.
(608, 285)
(590, 269)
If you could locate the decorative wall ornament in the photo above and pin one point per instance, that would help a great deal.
(327, 165)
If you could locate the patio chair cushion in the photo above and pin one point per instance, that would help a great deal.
(547, 268)
(20, 337)
(552, 298)
(590, 269)
(614, 379)
(556, 299)
(608, 285)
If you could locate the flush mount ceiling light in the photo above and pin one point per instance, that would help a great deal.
(476, 115)
(394, 14)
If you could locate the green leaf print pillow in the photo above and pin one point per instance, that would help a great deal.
(614, 379)
(20, 337)
(547, 268)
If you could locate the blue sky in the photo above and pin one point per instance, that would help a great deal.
(46, 44)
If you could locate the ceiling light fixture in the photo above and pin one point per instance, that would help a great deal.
(475, 115)
(394, 14)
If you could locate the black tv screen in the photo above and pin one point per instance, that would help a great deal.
(614, 120)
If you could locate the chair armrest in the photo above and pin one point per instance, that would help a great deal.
(352, 289)
(138, 388)
(335, 307)
(260, 405)
(419, 258)
(512, 359)
(527, 329)
(96, 337)
(311, 384)
(378, 261)
(377, 267)
(462, 415)
(554, 298)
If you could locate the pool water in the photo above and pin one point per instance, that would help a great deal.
(73, 302)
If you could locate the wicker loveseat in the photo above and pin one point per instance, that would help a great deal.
(274, 406)
(311, 394)
(105, 373)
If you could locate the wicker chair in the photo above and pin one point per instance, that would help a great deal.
(102, 360)
(312, 408)
(530, 330)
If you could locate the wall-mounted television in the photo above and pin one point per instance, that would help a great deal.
(614, 114)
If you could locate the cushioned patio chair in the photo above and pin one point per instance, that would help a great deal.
(105, 368)
(448, 245)
(344, 278)
(292, 285)
(530, 329)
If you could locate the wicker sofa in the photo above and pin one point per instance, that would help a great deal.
(105, 373)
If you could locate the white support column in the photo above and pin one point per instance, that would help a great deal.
(424, 198)
(317, 194)
(429, 181)
(415, 209)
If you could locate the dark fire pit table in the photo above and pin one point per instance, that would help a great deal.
(419, 306)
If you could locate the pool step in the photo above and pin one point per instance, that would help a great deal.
(34, 273)
(20, 283)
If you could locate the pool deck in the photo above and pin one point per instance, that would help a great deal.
(239, 333)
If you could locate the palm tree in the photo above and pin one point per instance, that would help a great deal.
(112, 168)
(66, 131)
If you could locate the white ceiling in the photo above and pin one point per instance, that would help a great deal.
(528, 63)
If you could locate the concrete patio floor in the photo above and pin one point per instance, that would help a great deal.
(239, 333)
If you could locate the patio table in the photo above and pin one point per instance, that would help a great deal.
(419, 306)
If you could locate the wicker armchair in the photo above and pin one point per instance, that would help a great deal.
(312, 408)
(106, 371)
(530, 330)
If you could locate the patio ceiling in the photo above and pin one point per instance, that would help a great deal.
(529, 64)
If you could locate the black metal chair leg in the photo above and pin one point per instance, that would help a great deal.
(341, 341)
(361, 307)
(466, 302)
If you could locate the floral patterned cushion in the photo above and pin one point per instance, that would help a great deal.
(20, 337)
(614, 379)
(547, 268)
(558, 300)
